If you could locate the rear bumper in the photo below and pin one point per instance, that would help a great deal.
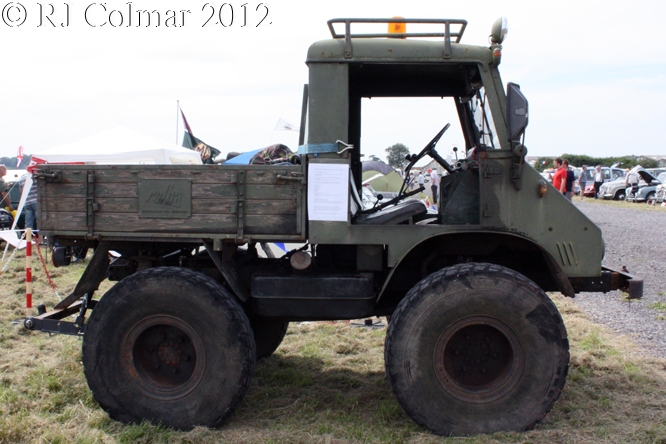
(608, 281)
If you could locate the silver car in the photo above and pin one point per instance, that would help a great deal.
(647, 188)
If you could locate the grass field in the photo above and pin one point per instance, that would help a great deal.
(325, 384)
(622, 204)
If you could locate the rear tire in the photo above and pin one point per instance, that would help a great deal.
(171, 346)
(476, 348)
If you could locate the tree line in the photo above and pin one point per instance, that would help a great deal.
(10, 162)
(578, 160)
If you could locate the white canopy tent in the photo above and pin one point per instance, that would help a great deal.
(119, 146)
(116, 146)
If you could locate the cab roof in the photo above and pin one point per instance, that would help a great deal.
(443, 45)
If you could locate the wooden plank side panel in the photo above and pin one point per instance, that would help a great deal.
(213, 191)
(131, 223)
(198, 174)
(66, 221)
(252, 191)
(64, 205)
(271, 192)
(55, 191)
(266, 174)
(271, 205)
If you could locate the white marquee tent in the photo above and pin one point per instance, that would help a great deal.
(119, 146)
(116, 146)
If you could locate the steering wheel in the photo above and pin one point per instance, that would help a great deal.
(430, 150)
(430, 146)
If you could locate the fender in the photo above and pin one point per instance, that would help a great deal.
(456, 244)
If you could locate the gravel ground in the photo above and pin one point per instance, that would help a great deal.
(634, 238)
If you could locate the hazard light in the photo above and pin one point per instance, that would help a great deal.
(397, 28)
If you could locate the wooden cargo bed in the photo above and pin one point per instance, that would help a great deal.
(256, 202)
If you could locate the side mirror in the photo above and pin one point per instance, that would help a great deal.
(517, 110)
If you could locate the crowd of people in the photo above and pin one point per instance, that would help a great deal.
(413, 182)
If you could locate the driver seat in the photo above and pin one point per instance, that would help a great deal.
(400, 213)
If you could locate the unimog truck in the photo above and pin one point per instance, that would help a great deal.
(474, 343)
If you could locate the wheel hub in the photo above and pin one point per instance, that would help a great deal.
(168, 352)
(163, 357)
(478, 359)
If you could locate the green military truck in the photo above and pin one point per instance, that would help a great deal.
(474, 343)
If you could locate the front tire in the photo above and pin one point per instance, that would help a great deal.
(476, 348)
(170, 346)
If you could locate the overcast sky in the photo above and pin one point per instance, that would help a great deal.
(593, 72)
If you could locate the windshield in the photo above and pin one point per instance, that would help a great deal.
(483, 119)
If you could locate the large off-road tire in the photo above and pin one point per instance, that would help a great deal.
(268, 334)
(171, 346)
(476, 348)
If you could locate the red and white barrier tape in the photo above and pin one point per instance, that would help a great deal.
(39, 250)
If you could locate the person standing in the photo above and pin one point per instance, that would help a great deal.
(582, 181)
(632, 182)
(5, 201)
(560, 176)
(30, 207)
(434, 185)
(569, 181)
(598, 180)
(421, 178)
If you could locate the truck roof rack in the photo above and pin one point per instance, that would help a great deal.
(447, 34)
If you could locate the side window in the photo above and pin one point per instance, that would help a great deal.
(606, 175)
(617, 174)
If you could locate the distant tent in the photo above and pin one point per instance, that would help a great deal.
(381, 177)
(377, 165)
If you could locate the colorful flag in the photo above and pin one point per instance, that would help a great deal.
(34, 161)
(207, 152)
(19, 156)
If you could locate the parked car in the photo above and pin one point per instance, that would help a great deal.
(648, 191)
(608, 173)
(615, 189)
